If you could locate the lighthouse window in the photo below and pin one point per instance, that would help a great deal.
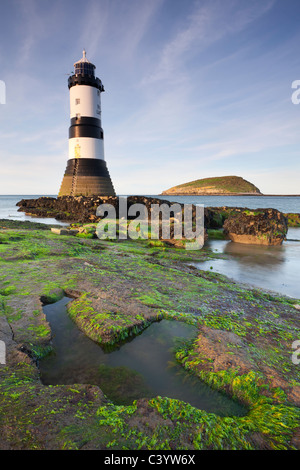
(77, 101)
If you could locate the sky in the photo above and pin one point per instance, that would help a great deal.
(193, 89)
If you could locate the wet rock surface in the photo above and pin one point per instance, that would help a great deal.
(243, 346)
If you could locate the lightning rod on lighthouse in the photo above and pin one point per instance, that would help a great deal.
(86, 173)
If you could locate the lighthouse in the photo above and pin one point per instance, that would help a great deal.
(86, 173)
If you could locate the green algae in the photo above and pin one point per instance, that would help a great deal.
(293, 219)
(216, 234)
(107, 327)
(26, 407)
(183, 426)
(36, 262)
(269, 415)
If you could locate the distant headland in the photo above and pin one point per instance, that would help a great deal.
(223, 185)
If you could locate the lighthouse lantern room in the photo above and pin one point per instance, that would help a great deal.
(86, 173)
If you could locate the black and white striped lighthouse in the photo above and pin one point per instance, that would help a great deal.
(86, 173)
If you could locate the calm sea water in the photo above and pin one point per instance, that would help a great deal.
(284, 204)
(271, 268)
(9, 210)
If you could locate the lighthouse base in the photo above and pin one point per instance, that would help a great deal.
(86, 177)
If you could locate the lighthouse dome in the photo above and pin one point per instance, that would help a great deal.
(84, 66)
(85, 74)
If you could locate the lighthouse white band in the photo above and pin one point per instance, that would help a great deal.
(86, 147)
(85, 101)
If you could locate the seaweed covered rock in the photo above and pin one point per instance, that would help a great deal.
(259, 227)
(83, 211)
(263, 226)
(293, 219)
(80, 209)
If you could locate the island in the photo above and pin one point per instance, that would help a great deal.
(223, 185)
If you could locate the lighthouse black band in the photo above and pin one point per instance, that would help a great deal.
(85, 131)
(85, 80)
(87, 167)
(84, 120)
(85, 127)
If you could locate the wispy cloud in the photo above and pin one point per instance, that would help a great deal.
(94, 24)
(32, 29)
(169, 110)
(192, 90)
(209, 22)
(116, 27)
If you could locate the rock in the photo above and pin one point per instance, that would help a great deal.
(88, 229)
(59, 231)
(259, 227)
(64, 231)
(216, 216)
(293, 219)
(83, 211)
(263, 226)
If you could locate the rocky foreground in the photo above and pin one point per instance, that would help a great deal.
(243, 345)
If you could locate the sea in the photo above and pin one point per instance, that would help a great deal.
(274, 268)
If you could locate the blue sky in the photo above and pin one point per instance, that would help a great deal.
(193, 89)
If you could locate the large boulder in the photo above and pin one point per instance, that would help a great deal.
(259, 227)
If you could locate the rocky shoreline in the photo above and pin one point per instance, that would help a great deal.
(242, 348)
(260, 226)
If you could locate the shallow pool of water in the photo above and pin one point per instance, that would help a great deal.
(274, 268)
(144, 367)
